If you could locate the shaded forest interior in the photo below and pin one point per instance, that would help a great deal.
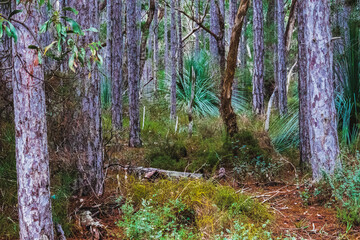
(179, 119)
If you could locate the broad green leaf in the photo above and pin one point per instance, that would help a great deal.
(14, 13)
(74, 25)
(71, 10)
(13, 31)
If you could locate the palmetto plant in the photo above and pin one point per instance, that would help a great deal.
(197, 86)
(348, 93)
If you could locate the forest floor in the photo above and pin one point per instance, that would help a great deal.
(296, 217)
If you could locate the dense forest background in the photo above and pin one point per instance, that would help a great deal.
(179, 119)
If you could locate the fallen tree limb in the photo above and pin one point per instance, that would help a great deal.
(151, 173)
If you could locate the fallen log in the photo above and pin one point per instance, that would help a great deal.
(151, 173)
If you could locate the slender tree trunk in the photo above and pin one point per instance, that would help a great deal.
(214, 27)
(166, 40)
(232, 14)
(259, 51)
(173, 63)
(91, 164)
(304, 144)
(316, 63)
(197, 33)
(145, 34)
(156, 45)
(32, 158)
(180, 44)
(227, 112)
(290, 25)
(115, 64)
(133, 66)
(281, 64)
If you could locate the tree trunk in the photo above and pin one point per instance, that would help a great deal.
(32, 158)
(281, 65)
(320, 106)
(304, 144)
(116, 73)
(145, 34)
(227, 112)
(156, 45)
(259, 51)
(166, 40)
(91, 164)
(133, 65)
(214, 27)
(290, 25)
(173, 63)
(180, 44)
(233, 6)
(197, 33)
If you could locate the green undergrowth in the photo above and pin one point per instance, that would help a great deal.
(190, 209)
(61, 182)
(208, 149)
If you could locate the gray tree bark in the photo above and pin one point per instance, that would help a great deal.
(32, 158)
(304, 144)
(259, 51)
(197, 33)
(173, 63)
(233, 4)
(156, 45)
(91, 163)
(321, 117)
(115, 50)
(214, 27)
(133, 73)
(281, 64)
(180, 44)
(166, 40)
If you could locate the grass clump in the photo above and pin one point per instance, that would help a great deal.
(197, 208)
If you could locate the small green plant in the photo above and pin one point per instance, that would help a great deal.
(152, 222)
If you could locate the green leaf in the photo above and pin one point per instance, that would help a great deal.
(41, 2)
(14, 13)
(13, 31)
(71, 62)
(1, 29)
(49, 46)
(40, 57)
(74, 25)
(33, 47)
(92, 29)
(44, 27)
(71, 10)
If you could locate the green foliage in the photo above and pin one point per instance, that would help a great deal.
(151, 222)
(345, 186)
(197, 74)
(60, 199)
(248, 158)
(188, 209)
(8, 185)
(284, 131)
(348, 94)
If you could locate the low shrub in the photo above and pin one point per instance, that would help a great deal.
(197, 207)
